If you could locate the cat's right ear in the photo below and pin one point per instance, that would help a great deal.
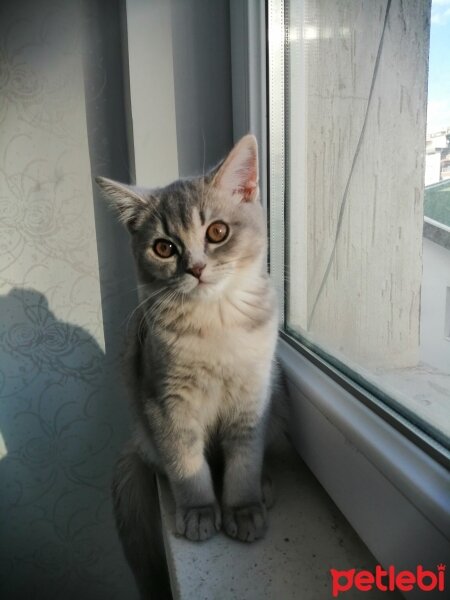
(237, 175)
(131, 203)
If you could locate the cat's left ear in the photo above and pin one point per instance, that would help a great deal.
(131, 202)
(238, 175)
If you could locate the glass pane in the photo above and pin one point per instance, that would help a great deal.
(369, 277)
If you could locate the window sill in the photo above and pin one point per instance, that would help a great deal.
(307, 536)
(393, 494)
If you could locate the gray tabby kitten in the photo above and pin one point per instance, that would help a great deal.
(200, 354)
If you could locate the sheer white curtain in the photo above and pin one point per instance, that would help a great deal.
(66, 275)
(62, 411)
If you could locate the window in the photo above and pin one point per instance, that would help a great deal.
(362, 279)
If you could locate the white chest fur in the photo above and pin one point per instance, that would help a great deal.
(232, 359)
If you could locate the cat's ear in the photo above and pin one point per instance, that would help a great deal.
(131, 203)
(238, 174)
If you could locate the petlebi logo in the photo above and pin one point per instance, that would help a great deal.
(388, 580)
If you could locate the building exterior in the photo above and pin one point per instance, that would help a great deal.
(435, 312)
(437, 166)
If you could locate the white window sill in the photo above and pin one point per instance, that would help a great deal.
(394, 494)
(307, 536)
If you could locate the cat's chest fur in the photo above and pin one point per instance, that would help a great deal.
(228, 337)
(223, 362)
(229, 353)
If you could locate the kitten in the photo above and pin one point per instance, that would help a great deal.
(200, 354)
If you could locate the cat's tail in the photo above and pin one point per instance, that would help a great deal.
(278, 447)
(138, 521)
(278, 436)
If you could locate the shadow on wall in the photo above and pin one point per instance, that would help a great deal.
(57, 447)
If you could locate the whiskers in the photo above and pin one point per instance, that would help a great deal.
(235, 260)
(157, 312)
(146, 299)
(241, 310)
(164, 294)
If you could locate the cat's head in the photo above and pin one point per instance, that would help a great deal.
(201, 235)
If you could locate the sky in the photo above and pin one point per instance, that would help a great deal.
(439, 69)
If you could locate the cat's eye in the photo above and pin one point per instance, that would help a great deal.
(164, 248)
(217, 232)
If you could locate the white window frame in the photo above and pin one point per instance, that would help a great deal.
(389, 479)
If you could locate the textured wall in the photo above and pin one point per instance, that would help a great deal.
(62, 411)
(67, 283)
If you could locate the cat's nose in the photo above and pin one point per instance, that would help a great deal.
(196, 270)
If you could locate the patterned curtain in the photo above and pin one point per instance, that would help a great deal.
(67, 288)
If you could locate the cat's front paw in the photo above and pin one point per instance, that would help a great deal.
(246, 523)
(198, 523)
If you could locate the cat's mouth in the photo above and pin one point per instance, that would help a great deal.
(201, 281)
(203, 284)
(198, 284)
(204, 288)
